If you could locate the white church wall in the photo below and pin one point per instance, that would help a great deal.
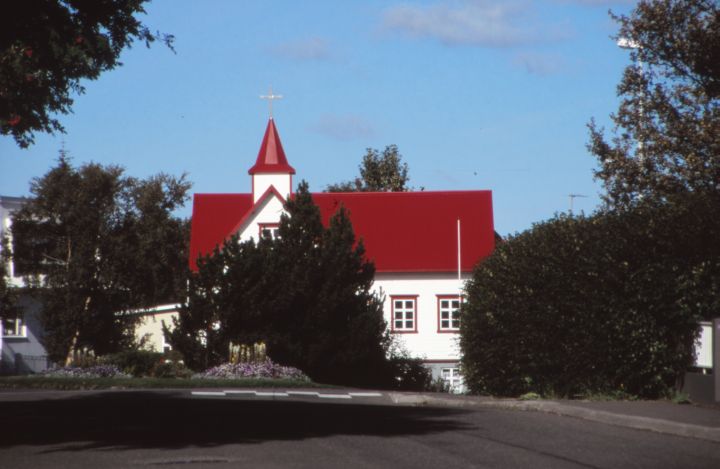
(281, 181)
(268, 214)
(425, 340)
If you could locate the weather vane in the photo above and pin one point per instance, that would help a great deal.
(270, 97)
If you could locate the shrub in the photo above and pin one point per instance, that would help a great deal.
(591, 305)
(137, 363)
(171, 369)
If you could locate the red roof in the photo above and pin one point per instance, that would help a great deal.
(213, 219)
(402, 231)
(271, 157)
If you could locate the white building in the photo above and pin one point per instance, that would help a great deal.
(20, 347)
(424, 245)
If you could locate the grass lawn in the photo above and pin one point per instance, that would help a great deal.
(41, 382)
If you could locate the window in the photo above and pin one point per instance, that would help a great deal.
(270, 230)
(453, 378)
(13, 327)
(404, 313)
(449, 313)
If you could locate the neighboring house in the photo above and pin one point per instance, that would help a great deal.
(424, 246)
(20, 344)
(149, 330)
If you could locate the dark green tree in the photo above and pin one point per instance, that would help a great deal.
(8, 295)
(384, 172)
(306, 295)
(666, 139)
(48, 46)
(94, 244)
(328, 322)
(604, 304)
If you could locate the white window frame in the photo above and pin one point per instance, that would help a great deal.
(449, 310)
(18, 328)
(453, 378)
(403, 309)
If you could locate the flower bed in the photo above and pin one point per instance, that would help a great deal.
(266, 369)
(97, 371)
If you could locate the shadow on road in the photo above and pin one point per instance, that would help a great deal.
(130, 420)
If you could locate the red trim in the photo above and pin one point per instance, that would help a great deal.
(266, 226)
(414, 298)
(440, 330)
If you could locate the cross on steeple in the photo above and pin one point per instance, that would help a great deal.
(270, 97)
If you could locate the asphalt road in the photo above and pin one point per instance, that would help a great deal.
(173, 429)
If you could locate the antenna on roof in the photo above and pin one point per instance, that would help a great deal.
(572, 199)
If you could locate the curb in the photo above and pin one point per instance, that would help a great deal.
(552, 407)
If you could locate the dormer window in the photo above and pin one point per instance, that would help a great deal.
(270, 230)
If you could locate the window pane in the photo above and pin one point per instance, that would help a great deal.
(444, 324)
(456, 324)
(409, 315)
(398, 304)
(444, 303)
(408, 324)
(444, 315)
(398, 324)
(398, 314)
(409, 304)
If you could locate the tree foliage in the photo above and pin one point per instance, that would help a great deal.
(95, 243)
(48, 46)
(8, 295)
(384, 172)
(608, 303)
(666, 139)
(306, 295)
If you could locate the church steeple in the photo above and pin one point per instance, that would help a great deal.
(271, 157)
(271, 167)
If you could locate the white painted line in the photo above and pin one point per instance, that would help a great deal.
(231, 391)
(271, 394)
(365, 394)
(208, 393)
(302, 393)
(334, 396)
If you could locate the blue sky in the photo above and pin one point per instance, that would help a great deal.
(476, 94)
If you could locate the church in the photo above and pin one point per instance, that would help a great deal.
(424, 245)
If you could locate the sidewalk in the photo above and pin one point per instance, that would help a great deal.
(686, 420)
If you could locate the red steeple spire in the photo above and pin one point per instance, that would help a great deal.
(271, 158)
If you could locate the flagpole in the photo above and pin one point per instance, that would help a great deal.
(458, 249)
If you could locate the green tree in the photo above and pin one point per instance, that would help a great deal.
(305, 295)
(94, 244)
(666, 139)
(48, 46)
(384, 172)
(603, 304)
(8, 295)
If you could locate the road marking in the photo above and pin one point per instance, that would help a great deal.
(254, 393)
(334, 396)
(303, 393)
